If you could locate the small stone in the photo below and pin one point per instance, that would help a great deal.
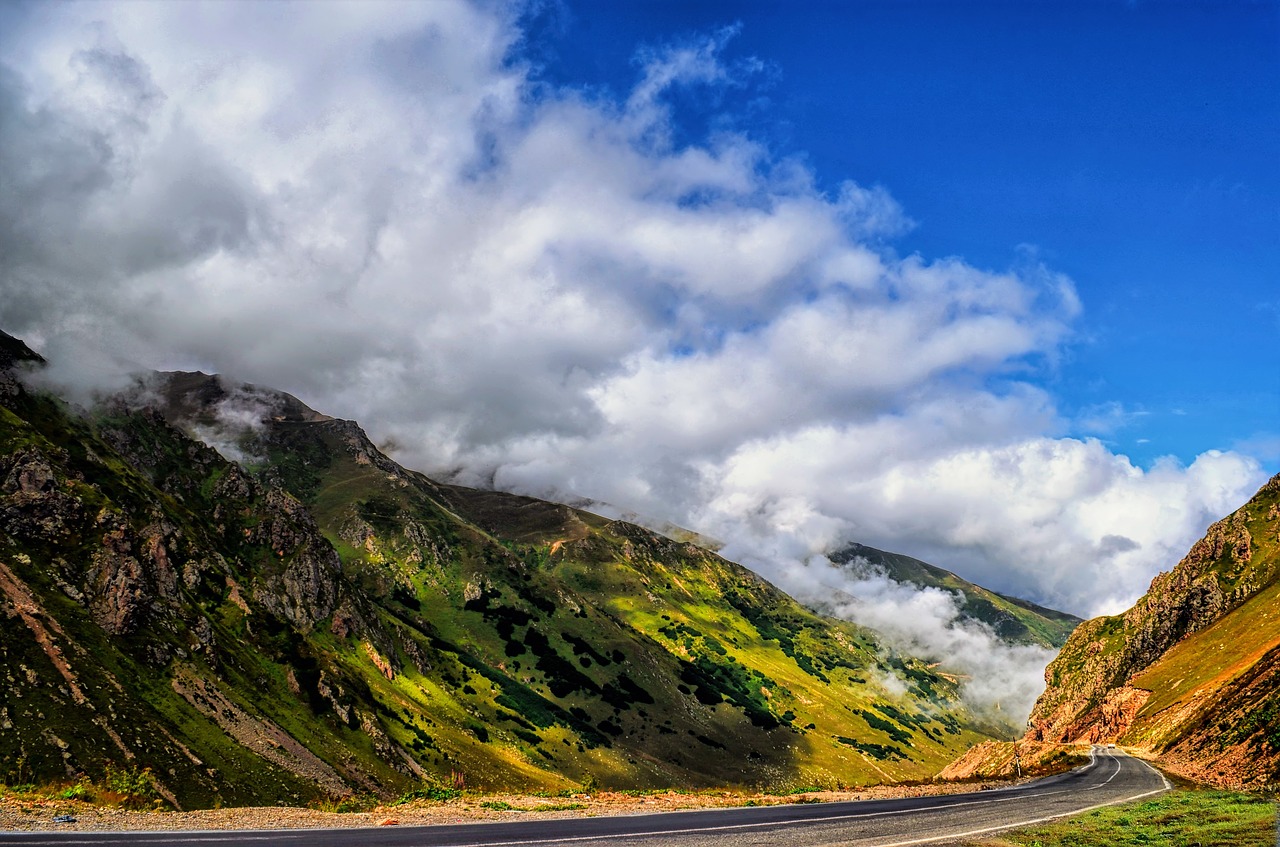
(389, 822)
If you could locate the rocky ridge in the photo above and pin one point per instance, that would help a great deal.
(1191, 671)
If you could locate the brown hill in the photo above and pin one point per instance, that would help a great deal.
(1192, 671)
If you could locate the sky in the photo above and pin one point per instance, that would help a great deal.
(990, 284)
(1132, 146)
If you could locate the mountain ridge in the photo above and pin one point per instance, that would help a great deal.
(327, 622)
(1192, 670)
(314, 620)
(1012, 619)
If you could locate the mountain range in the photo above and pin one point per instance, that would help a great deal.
(294, 616)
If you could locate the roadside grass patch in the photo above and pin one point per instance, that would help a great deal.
(1175, 819)
(130, 788)
(504, 806)
(349, 804)
(433, 793)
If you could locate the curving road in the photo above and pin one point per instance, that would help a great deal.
(1111, 777)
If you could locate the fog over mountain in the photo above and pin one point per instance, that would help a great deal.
(382, 209)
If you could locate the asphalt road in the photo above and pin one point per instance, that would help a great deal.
(1112, 777)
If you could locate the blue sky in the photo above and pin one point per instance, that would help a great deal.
(1132, 146)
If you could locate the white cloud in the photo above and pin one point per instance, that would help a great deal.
(373, 207)
(1003, 679)
(1105, 419)
(1061, 520)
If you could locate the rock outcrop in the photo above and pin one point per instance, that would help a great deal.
(1185, 669)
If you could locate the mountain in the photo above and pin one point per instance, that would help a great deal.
(1192, 671)
(1013, 620)
(14, 351)
(314, 620)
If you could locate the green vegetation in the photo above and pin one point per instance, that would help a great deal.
(432, 792)
(880, 752)
(1174, 819)
(134, 786)
(330, 626)
(124, 788)
(345, 805)
(504, 806)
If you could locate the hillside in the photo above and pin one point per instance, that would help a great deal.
(1013, 620)
(1192, 671)
(316, 620)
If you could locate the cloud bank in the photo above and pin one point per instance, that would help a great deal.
(381, 209)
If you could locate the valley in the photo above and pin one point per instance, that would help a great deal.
(318, 621)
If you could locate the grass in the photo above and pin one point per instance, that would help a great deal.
(1175, 819)
(345, 805)
(601, 693)
(1214, 655)
(434, 793)
(504, 806)
(121, 788)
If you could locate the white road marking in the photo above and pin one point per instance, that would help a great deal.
(1005, 826)
(1113, 776)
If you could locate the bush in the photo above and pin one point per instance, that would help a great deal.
(135, 787)
(82, 790)
(355, 803)
(345, 804)
(430, 791)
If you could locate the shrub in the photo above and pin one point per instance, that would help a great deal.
(135, 787)
(82, 790)
(431, 791)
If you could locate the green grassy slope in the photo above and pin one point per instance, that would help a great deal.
(669, 652)
(328, 622)
(112, 588)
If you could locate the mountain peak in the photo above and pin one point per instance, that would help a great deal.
(14, 350)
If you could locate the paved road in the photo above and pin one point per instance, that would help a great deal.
(1112, 777)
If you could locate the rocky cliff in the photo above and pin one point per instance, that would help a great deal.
(1191, 671)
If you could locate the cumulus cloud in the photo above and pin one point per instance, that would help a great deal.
(1062, 520)
(379, 208)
